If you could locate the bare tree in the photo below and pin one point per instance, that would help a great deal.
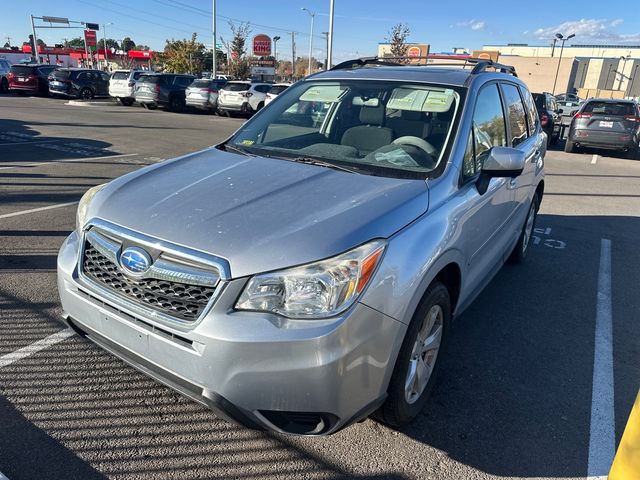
(398, 40)
(238, 62)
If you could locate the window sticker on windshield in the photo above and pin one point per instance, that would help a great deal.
(324, 93)
(419, 100)
(247, 142)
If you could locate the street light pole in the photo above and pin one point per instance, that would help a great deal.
(330, 49)
(293, 54)
(326, 39)
(104, 38)
(313, 17)
(275, 53)
(213, 67)
(35, 42)
(563, 39)
(553, 46)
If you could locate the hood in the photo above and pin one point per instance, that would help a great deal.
(259, 214)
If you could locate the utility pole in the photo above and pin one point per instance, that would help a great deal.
(293, 54)
(213, 68)
(330, 49)
(35, 42)
(313, 17)
(326, 39)
(104, 38)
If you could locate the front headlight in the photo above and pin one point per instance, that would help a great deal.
(318, 290)
(83, 206)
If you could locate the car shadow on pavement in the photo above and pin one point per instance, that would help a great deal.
(22, 142)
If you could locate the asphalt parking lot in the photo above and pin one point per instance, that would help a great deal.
(517, 398)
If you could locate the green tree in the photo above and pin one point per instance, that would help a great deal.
(239, 65)
(128, 44)
(184, 56)
(77, 42)
(142, 47)
(398, 40)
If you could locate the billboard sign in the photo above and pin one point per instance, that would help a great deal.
(486, 54)
(90, 39)
(262, 45)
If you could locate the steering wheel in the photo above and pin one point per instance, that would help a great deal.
(416, 142)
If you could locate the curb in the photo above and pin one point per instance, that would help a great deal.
(84, 103)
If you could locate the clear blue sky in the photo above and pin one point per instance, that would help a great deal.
(359, 24)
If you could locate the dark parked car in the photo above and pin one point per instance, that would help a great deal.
(30, 78)
(203, 94)
(5, 66)
(79, 83)
(163, 89)
(549, 116)
(608, 124)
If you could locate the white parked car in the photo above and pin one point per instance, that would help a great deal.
(243, 97)
(276, 90)
(122, 85)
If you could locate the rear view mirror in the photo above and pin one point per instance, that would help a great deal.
(501, 162)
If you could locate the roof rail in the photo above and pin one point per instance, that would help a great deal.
(479, 65)
(363, 62)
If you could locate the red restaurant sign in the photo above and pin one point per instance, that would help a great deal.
(262, 45)
(90, 38)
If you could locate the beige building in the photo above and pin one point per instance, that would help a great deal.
(539, 73)
(572, 50)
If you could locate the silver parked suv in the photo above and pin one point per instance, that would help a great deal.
(304, 274)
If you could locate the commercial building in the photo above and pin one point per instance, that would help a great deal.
(612, 68)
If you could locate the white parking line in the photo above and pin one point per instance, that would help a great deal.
(602, 433)
(24, 352)
(594, 159)
(3, 477)
(34, 210)
(69, 160)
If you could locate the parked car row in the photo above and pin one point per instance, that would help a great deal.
(150, 90)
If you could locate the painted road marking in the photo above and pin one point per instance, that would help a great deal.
(602, 440)
(34, 210)
(548, 242)
(594, 159)
(24, 352)
(3, 477)
(69, 160)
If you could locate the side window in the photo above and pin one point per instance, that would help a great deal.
(136, 75)
(105, 76)
(263, 88)
(515, 113)
(532, 112)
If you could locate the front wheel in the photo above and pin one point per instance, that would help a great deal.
(417, 365)
(176, 104)
(127, 102)
(4, 86)
(632, 153)
(521, 249)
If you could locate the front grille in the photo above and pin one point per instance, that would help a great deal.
(179, 300)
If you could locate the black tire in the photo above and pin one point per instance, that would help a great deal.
(151, 106)
(632, 153)
(260, 106)
(569, 146)
(520, 251)
(21, 93)
(4, 86)
(176, 104)
(86, 94)
(555, 139)
(127, 102)
(396, 410)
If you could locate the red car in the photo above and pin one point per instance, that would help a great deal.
(30, 78)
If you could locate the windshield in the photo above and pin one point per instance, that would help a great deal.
(376, 127)
(151, 79)
(278, 89)
(120, 75)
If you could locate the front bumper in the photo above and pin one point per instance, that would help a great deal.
(258, 370)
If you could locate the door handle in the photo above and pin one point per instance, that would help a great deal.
(536, 156)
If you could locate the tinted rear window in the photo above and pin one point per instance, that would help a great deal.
(539, 99)
(151, 79)
(136, 75)
(120, 75)
(22, 70)
(201, 83)
(61, 74)
(237, 87)
(610, 108)
(278, 89)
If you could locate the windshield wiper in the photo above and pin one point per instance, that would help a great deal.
(232, 148)
(322, 163)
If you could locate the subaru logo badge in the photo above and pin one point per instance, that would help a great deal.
(135, 261)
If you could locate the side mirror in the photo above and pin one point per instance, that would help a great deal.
(560, 110)
(501, 162)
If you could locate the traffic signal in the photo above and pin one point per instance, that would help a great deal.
(92, 26)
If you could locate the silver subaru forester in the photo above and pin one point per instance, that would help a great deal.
(304, 274)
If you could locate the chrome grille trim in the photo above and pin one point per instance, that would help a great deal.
(107, 237)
